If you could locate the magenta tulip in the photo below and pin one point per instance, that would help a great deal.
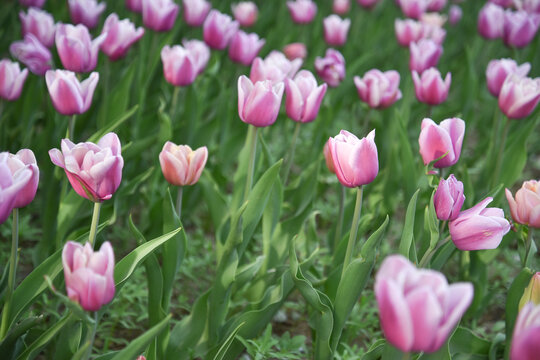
(275, 67)
(454, 14)
(159, 15)
(430, 87)
(68, 95)
(525, 344)
(77, 51)
(259, 102)
(519, 96)
(378, 89)
(490, 21)
(424, 54)
(121, 34)
(245, 47)
(448, 198)
(195, 11)
(11, 184)
(302, 11)
(134, 5)
(32, 54)
(503, 3)
(331, 68)
(180, 165)
(436, 5)
(86, 12)
(218, 30)
(335, 30)
(498, 70)
(304, 97)
(530, 6)
(24, 159)
(413, 8)
(341, 7)
(438, 140)
(39, 23)
(525, 209)
(245, 12)
(11, 80)
(32, 3)
(519, 28)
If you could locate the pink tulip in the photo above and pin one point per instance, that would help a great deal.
(454, 14)
(331, 68)
(218, 30)
(39, 23)
(355, 160)
(134, 5)
(418, 309)
(367, 4)
(413, 8)
(328, 157)
(94, 170)
(430, 87)
(335, 30)
(121, 34)
(378, 89)
(304, 97)
(448, 198)
(275, 67)
(519, 28)
(11, 184)
(503, 3)
(32, 54)
(195, 11)
(341, 7)
(86, 12)
(180, 165)
(295, 51)
(77, 51)
(438, 140)
(433, 19)
(245, 12)
(259, 102)
(490, 21)
(519, 96)
(68, 95)
(159, 15)
(525, 208)
(530, 6)
(199, 51)
(181, 65)
(24, 159)
(433, 32)
(498, 70)
(525, 344)
(436, 5)
(245, 47)
(302, 11)
(32, 3)
(11, 80)
(408, 31)
(89, 275)
(424, 54)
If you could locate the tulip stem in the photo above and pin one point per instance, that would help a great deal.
(431, 251)
(91, 335)
(12, 273)
(498, 164)
(354, 230)
(71, 127)
(252, 140)
(95, 223)
(179, 201)
(339, 224)
(291, 153)
(528, 243)
(429, 111)
(174, 101)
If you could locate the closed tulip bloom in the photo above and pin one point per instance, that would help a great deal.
(86, 12)
(24, 159)
(89, 274)
(433, 18)
(355, 160)
(378, 89)
(335, 30)
(134, 5)
(433, 32)
(275, 67)
(68, 95)
(531, 292)
(180, 165)
(341, 7)
(328, 157)
(490, 21)
(367, 4)
(519, 28)
(525, 344)
(180, 65)
(424, 54)
(11, 80)
(498, 70)
(331, 68)
(199, 51)
(295, 51)
(436, 5)
(302, 11)
(32, 3)
(10, 185)
(448, 198)
(519, 96)
(437, 140)
(530, 6)
(245, 47)
(245, 12)
(195, 11)
(413, 8)
(479, 228)
(121, 34)
(304, 97)
(259, 102)
(503, 3)
(430, 87)
(218, 30)
(408, 31)
(525, 209)
(159, 15)
(454, 14)
(94, 170)
(39, 23)
(418, 309)
(77, 51)
(32, 53)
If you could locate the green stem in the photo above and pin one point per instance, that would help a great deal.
(252, 139)
(354, 230)
(430, 252)
(291, 153)
(179, 201)
(12, 277)
(95, 223)
(91, 336)
(527, 246)
(429, 111)
(498, 164)
(339, 224)
(174, 101)
(71, 127)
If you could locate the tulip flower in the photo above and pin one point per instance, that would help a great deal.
(32, 3)
(436, 5)
(408, 31)
(304, 97)
(302, 11)
(259, 102)
(519, 96)
(11, 184)
(275, 67)
(134, 5)
(24, 159)
(418, 309)
(433, 32)
(86, 12)
(532, 292)
(498, 70)
(438, 140)
(367, 4)
(94, 170)
(454, 14)
(159, 15)
(378, 89)
(490, 21)
(245, 12)
(341, 7)
(519, 28)
(525, 208)
(68, 95)
(424, 54)
(181, 65)
(195, 11)
(180, 165)
(77, 51)
(331, 68)
(245, 47)
(89, 275)
(218, 30)
(335, 30)
(11, 79)
(448, 198)
(525, 344)
(295, 51)
(430, 87)
(530, 6)
(121, 34)
(40, 24)
(32, 54)
(199, 51)
(413, 8)
(433, 19)
(328, 157)
(503, 3)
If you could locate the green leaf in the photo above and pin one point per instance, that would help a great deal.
(217, 205)
(466, 342)
(375, 351)
(75, 308)
(227, 343)
(432, 222)
(407, 236)
(99, 134)
(17, 331)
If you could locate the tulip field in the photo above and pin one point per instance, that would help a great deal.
(283, 179)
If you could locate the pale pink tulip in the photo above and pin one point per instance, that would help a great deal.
(525, 344)
(39, 23)
(433, 32)
(121, 34)
(159, 15)
(454, 14)
(86, 12)
(11, 79)
(275, 67)
(424, 54)
(304, 97)
(490, 21)
(10, 185)
(413, 8)
(335, 30)
(438, 140)
(430, 87)
(195, 11)
(245, 47)
(519, 96)
(68, 95)
(498, 70)
(436, 5)
(245, 12)
(77, 51)
(378, 89)
(180, 165)
(218, 30)
(259, 102)
(182, 65)
(341, 7)
(331, 68)
(199, 51)
(24, 159)
(519, 28)
(302, 11)
(525, 208)
(448, 198)
(32, 53)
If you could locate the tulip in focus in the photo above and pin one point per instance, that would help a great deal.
(245, 47)
(331, 68)
(498, 70)
(378, 89)
(304, 97)
(430, 87)
(218, 30)
(448, 198)
(275, 67)
(408, 31)
(40, 24)
(438, 140)
(199, 51)
(195, 11)
(418, 309)
(11, 184)
(77, 51)
(295, 51)
(24, 159)
(525, 209)
(68, 95)
(32, 3)
(159, 15)
(89, 275)
(328, 157)
(121, 34)
(519, 96)
(11, 79)
(134, 5)
(32, 54)
(245, 12)
(341, 7)
(180, 165)
(424, 54)
(302, 11)
(86, 12)
(525, 344)
(259, 102)
(413, 8)
(490, 21)
(454, 14)
(335, 30)
(519, 28)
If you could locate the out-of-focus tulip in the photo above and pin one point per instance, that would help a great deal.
(498, 70)
(490, 21)
(503, 3)
(89, 274)
(424, 54)
(302, 11)
(180, 66)
(335, 30)
(479, 228)
(275, 67)
(433, 32)
(121, 34)
(418, 309)
(259, 102)
(341, 7)
(39, 23)
(355, 160)
(77, 51)
(328, 157)
(367, 4)
(430, 87)
(11, 79)
(454, 14)
(436, 5)
(413, 8)
(519, 28)
(408, 31)
(331, 68)
(530, 6)
(304, 97)
(141, 357)
(68, 95)
(159, 15)
(378, 89)
(525, 344)
(532, 292)
(32, 3)
(10, 185)
(134, 5)
(218, 30)
(245, 12)
(519, 96)
(32, 54)
(24, 159)
(180, 165)
(437, 140)
(433, 18)
(94, 170)
(525, 208)
(245, 47)
(86, 12)
(448, 198)
(295, 51)
(195, 11)
(199, 51)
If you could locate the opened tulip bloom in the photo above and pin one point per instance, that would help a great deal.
(259, 102)
(86, 12)
(39, 23)
(304, 97)
(245, 12)
(525, 208)
(498, 70)
(275, 67)
(181, 165)
(448, 198)
(159, 15)
(490, 21)
(24, 159)
(423, 55)
(519, 28)
(438, 140)
(302, 11)
(77, 51)
(94, 170)
(218, 30)
(244, 47)
(68, 95)
(32, 53)
(331, 68)
(195, 11)
(430, 87)
(525, 344)
(11, 80)
(11, 184)
(121, 34)
(335, 30)
(378, 89)
(418, 309)
(89, 274)
(519, 96)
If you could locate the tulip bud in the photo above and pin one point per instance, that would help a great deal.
(448, 198)
(341, 7)
(68, 95)
(413, 8)
(430, 87)
(335, 30)
(11, 183)
(295, 51)
(433, 32)
(180, 165)
(120, 36)
(159, 15)
(86, 12)
(328, 157)
(525, 344)
(378, 89)
(245, 47)
(32, 3)
(408, 31)
(218, 30)
(519, 96)
(11, 80)
(455, 13)
(134, 5)
(331, 68)
(525, 209)
(532, 292)
(24, 159)
(519, 28)
(40, 24)
(438, 140)
(259, 102)
(195, 11)
(77, 51)
(490, 21)
(245, 12)
(32, 54)
(304, 97)
(436, 5)
(199, 51)
(424, 54)
(498, 70)
(302, 11)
